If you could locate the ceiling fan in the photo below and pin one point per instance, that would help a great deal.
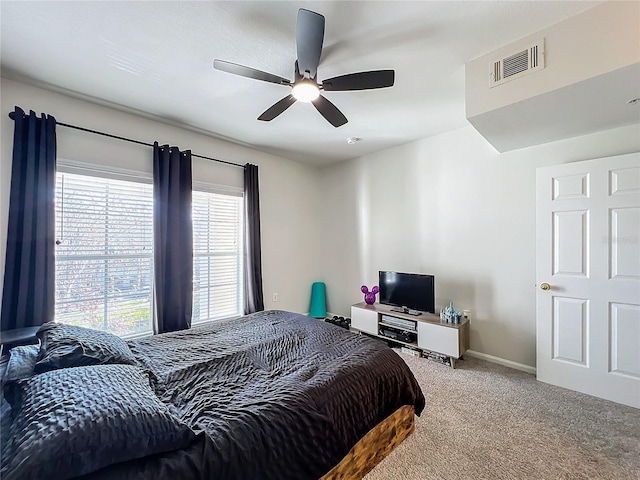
(309, 38)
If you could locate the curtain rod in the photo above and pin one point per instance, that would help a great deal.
(12, 117)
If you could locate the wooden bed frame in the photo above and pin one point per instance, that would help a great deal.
(371, 449)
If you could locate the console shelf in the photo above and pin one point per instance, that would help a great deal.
(434, 335)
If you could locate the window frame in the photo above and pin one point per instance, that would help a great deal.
(234, 192)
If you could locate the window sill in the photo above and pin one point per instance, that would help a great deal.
(137, 336)
(213, 320)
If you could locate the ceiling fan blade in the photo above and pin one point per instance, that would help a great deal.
(309, 38)
(329, 111)
(277, 108)
(249, 72)
(360, 81)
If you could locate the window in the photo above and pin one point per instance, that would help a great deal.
(104, 252)
(217, 254)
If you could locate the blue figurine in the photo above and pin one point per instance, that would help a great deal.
(449, 314)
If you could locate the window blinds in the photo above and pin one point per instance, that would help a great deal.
(104, 253)
(217, 252)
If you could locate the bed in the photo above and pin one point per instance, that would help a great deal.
(269, 395)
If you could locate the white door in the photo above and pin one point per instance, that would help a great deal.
(588, 255)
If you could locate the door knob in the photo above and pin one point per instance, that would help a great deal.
(545, 286)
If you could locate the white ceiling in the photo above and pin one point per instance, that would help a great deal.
(156, 57)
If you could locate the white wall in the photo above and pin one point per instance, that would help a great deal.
(576, 49)
(289, 191)
(452, 206)
(448, 205)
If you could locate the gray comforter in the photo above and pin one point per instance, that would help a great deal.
(274, 395)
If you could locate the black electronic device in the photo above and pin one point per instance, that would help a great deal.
(400, 335)
(413, 292)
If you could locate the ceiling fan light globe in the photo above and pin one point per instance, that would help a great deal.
(305, 91)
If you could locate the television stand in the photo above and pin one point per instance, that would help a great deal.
(406, 310)
(431, 334)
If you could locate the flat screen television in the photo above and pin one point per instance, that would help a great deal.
(410, 290)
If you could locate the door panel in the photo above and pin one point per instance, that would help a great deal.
(588, 251)
(625, 234)
(625, 330)
(570, 186)
(625, 180)
(570, 330)
(570, 245)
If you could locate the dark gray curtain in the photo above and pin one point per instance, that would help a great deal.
(173, 238)
(28, 295)
(253, 297)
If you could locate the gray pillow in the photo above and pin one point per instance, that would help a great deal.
(64, 345)
(22, 359)
(74, 421)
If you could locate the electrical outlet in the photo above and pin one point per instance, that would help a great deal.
(274, 297)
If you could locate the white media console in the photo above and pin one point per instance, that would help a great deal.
(432, 334)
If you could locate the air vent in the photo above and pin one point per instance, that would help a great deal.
(518, 64)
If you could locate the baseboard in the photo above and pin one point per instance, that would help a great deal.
(501, 361)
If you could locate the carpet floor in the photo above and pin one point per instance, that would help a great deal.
(485, 421)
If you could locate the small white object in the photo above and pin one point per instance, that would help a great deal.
(410, 351)
(352, 140)
(466, 314)
(274, 297)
